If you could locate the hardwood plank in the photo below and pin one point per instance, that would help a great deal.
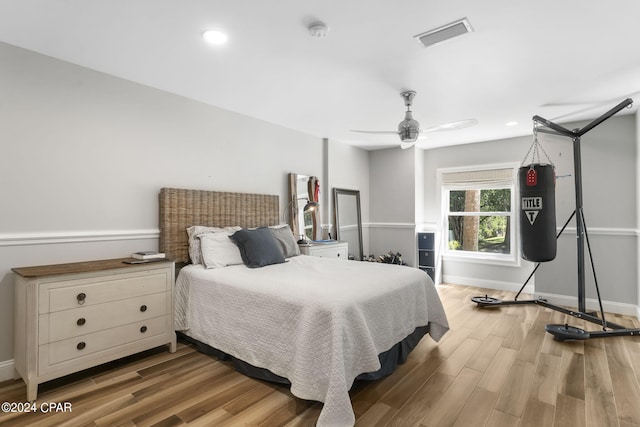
(532, 345)
(448, 407)
(152, 397)
(453, 365)
(199, 392)
(626, 390)
(500, 419)
(477, 408)
(398, 395)
(496, 374)
(378, 415)
(504, 327)
(546, 379)
(259, 412)
(572, 374)
(570, 412)
(368, 393)
(632, 345)
(485, 324)
(537, 413)
(487, 352)
(515, 391)
(421, 403)
(599, 401)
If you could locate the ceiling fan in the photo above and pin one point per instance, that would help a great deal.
(409, 128)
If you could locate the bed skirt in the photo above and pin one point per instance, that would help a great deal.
(389, 360)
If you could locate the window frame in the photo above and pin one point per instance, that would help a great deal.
(511, 259)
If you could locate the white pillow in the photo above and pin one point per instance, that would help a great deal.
(218, 250)
(195, 253)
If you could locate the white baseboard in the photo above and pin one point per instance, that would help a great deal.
(591, 304)
(490, 284)
(7, 370)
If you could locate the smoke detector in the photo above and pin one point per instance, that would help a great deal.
(318, 30)
(446, 32)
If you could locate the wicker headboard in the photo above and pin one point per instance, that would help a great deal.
(180, 209)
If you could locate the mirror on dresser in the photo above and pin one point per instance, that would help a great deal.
(303, 216)
(347, 220)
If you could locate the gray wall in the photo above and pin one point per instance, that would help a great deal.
(84, 155)
(393, 190)
(348, 168)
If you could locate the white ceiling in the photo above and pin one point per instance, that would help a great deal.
(521, 57)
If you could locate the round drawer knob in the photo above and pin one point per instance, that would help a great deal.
(143, 308)
(143, 329)
(338, 254)
(81, 321)
(81, 345)
(81, 297)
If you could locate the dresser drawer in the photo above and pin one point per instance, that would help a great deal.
(97, 290)
(426, 258)
(331, 252)
(84, 320)
(339, 250)
(83, 347)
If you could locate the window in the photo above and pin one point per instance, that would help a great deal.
(478, 207)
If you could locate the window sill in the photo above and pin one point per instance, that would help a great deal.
(483, 258)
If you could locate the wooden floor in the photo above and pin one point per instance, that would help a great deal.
(495, 367)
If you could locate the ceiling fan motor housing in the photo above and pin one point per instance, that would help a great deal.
(408, 129)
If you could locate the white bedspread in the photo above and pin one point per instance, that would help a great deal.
(318, 322)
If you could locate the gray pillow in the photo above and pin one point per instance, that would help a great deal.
(284, 236)
(258, 247)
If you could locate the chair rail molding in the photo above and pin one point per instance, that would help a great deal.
(55, 237)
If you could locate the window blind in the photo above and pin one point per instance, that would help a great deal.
(478, 178)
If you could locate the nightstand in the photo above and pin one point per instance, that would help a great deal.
(427, 254)
(70, 317)
(335, 249)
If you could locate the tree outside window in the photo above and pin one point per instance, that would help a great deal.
(479, 220)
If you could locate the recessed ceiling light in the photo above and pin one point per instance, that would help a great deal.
(511, 124)
(216, 37)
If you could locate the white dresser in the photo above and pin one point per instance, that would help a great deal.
(329, 250)
(71, 317)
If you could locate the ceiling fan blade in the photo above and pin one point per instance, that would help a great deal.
(459, 124)
(381, 132)
(405, 144)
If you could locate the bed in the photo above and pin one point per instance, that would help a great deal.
(316, 323)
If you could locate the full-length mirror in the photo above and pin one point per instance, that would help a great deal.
(346, 211)
(302, 207)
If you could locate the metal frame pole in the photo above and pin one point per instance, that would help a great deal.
(577, 166)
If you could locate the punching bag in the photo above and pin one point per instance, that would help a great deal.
(537, 212)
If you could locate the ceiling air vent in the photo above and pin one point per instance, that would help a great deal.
(445, 32)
